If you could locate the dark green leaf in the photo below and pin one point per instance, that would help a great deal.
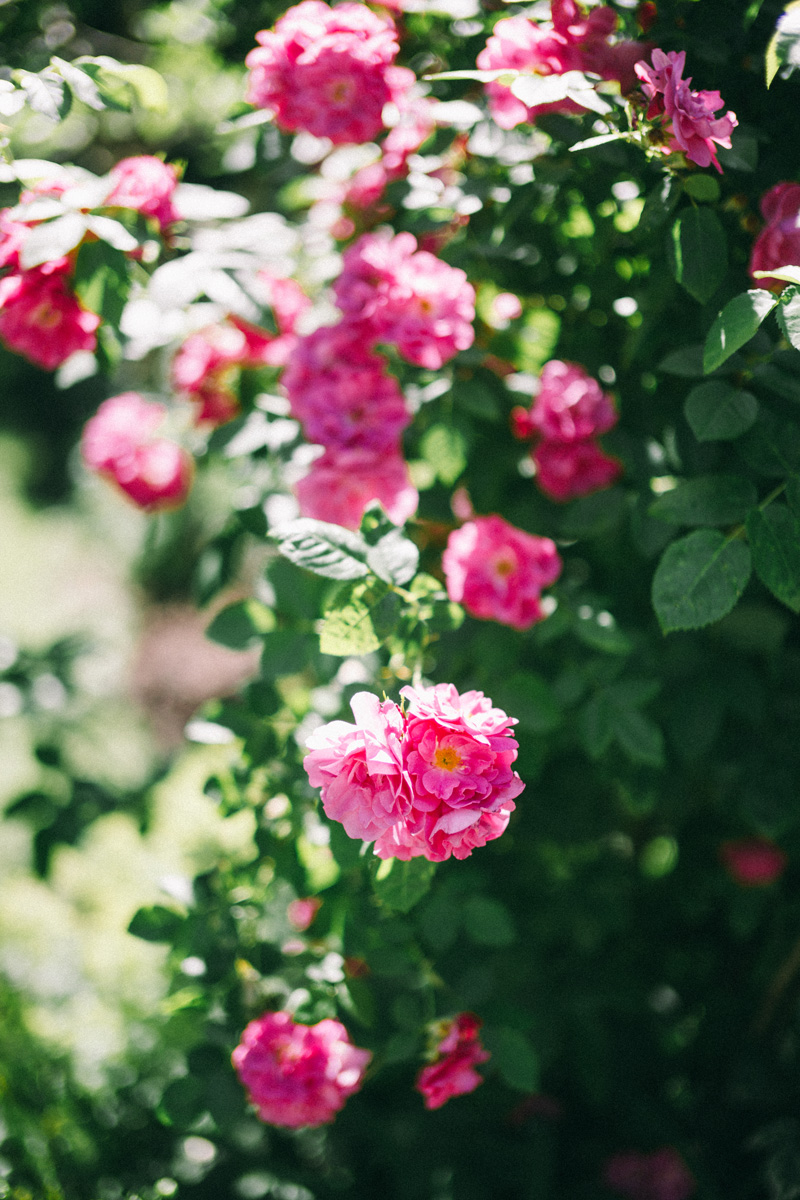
(102, 280)
(772, 446)
(707, 500)
(660, 203)
(156, 923)
(183, 1101)
(775, 542)
(698, 252)
(789, 316)
(513, 1056)
(793, 495)
(718, 412)
(702, 187)
(686, 362)
(400, 885)
(735, 325)
(488, 922)
(639, 737)
(327, 550)
(241, 625)
(743, 154)
(530, 698)
(699, 579)
(596, 725)
(601, 632)
(285, 653)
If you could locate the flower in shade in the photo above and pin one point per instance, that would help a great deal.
(567, 470)
(694, 128)
(753, 861)
(778, 244)
(40, 317)
(570, 405)
(407, 297)
(295, 1074)
(341, 483)
(328, 71)
(120, 442)
(453, 1073)
(662, 1175)
(498, 572)
(145, 184)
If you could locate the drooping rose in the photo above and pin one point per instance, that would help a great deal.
(453, 1073)
(298, 1075)
(498, 572)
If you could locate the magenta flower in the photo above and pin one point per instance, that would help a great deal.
(497, 571)
(662, 1175)
(694, 129)
(145, 184)
(341, 483)
(753, 861)
(407, 298)
(295, 1074)
(40, 317)
(570, 406)
(566, 470)
(778, 244)
(120, 442)
(328, 71)
(453, 1071)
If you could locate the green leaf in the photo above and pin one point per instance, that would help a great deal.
(660, 203)
(81, 85)
(783, 50)
(687, 362)
(183, 1101)
(285, 653)
(699, 579)
(596, 725)
(735, 325)
(513, 1056)
(241, 625)
(327, 550)
(772, 446)
(532, 701)
(156, 923)
(788, 273)
(102, 280)
(702, 187)
(718, 412)
(349, 630)
(601, 632)
(788, 315)
(122, 84)
(400, 885)
(698, 252)
(45, 93)
(444, 448)
(639, 737)
(707, 500)
(793, 495)
(488, 922)
(394, 558)
(774, 536)
(52, 239)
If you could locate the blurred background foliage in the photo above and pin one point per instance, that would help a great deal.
(633, 994)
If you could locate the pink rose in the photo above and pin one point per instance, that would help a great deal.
(695, 130)
(566, 470)
(301, 913)
(497, 571)
(453, 1071)
(341, 483)
(295, 1074)
(145, 184)
(778, 244)
(119, 442)
(662, 1175)
(328, 71)
(570, 406)
(753, 861)
(40, 317)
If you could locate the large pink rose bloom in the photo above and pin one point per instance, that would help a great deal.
(359, 768)
(662, 1175)
(571, 405)
(120, 443)
(457, 1055)
(145, 184)
(40, 317)
(407, 297)
(778, 244)
(567, 470)
(695, 130)
(457, 753)
(497, 571)
(298, 1075)
(328, 71)
(341, 483)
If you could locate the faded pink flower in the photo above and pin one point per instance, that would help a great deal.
(341, 483)
(753, 861)
(301, 913)
(497, 571)
(342, 394)
(566, 470)
(295, 1074)
(328, 71)
(40, 317)
(662, 1175)
(505, 307)
(358, 767)
(288, 302)
(407, 298)
(12, 235)
(570, 406)
(694, 129)
(119, 442)
(145, 184)
(778, 244)
(457, 1055)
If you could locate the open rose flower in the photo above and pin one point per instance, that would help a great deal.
(341, 483)
(694, 128)
(498, 572)
(41, 318)
(453, 1073)
(145, 184)
(298, 1075)
(120, 443)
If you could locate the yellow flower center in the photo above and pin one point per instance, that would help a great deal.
(447, 758)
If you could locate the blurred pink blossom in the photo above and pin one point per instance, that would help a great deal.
(41, 318)
(566, 470)
(453, 1071)
(145, 184)
(662, 1175)
(778, 244)
(570, 405)
(753, 861)
(341, 483)
(119, 442)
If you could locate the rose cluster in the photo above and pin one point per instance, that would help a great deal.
(457, 1054)
(340, 389)
(120, 443)
(498, 572)
(430, 779)
(296, 1074)
(569, 413)
(778, 244)
(574, 40)
(693, 127)
(206, 368)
